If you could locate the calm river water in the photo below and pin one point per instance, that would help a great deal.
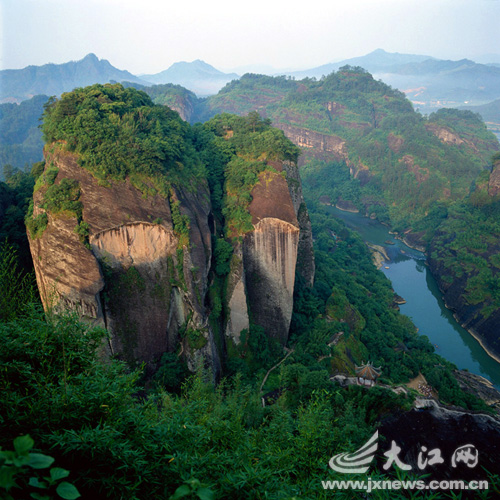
(412, 280)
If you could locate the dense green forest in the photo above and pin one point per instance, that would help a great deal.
(122, 436)
(20, 138)
(394, 151)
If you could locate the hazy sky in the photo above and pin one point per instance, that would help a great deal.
(147, 36)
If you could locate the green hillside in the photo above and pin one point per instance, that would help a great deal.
(403, 161)
(365, 147)
(20, 137)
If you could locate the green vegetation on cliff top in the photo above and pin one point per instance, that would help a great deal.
(246, 144)
(119, 132)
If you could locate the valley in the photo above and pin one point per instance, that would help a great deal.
(183, 248)
(412, 280)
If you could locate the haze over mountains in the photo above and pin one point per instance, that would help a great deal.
(377, 61)
(197, 76)
(428, 82)
(53, 79)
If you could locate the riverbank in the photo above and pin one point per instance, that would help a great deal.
(411, 278)
(464, 314)
(379, 255)
(478, 338)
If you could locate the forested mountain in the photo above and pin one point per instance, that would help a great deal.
(402, 161)
(20, 137)
(435, 83)
(175, 97)
(428, 82)
(53, 79)
(364, 146)
(490, 113)
(191, 247)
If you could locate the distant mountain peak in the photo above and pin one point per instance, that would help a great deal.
(90, 57)
(54, 79)
(197, 76)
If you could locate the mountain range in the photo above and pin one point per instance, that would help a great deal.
(377, 61)
(53, 79)
(428, 82)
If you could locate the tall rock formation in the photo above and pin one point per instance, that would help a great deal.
(264, 264)
(134, 276)
(125, 213)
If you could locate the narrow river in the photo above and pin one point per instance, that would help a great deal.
(412, 280)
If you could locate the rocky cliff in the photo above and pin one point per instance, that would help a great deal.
(447, 430)
(321, 145)
(494, 181)
(264, 264)
(133, 276)
(126, 211)
(463, 257)
(479, 317)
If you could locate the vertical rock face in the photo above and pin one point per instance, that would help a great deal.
(270, 256)
(137, 262)
(320, 143)
(238, 319)
(494, 182)
(135, 279)
(264, 265)
(305, 255)
(59, 258)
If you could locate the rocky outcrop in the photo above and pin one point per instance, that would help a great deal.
(494, 182)
(421, 174)
(418, 431)
(346, 206)
(395, 142)
(238, 319)
(478, 386)
(264, 263)
(445, 135)
(470, 315)
(184, 107)
(305, 256)
(414, 240)
(270, 257)
(318, 143)
(134, 276)
(59, 258)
